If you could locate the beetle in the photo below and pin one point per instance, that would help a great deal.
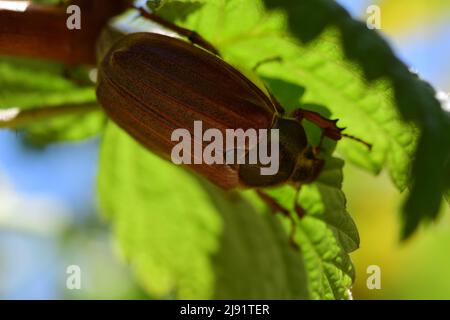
(151, 84)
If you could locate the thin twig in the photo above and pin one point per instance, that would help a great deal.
(15, 117)
(40, 31)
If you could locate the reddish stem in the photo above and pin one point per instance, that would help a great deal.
(41, 31)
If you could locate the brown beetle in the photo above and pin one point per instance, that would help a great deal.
(151, 84)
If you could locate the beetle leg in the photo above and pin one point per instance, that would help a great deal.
(298, 209)
(272, 203)
(193, 36)
(267, 60)
(275, 102)
(316, 149)
(328, 126)
(276, 207)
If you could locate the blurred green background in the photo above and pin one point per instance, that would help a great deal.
(419, 268)
(48, 217)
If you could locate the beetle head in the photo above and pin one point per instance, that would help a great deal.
(308, 167)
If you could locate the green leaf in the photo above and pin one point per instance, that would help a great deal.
(178, 10)
(414, 100)
(371, 97)
(186, 238)
(331, 234)
(135, 188)
(317, 73)
(326, 234)
(29, 84)
(71, 127)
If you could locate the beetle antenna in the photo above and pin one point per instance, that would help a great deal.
(329, 127)
(368, 145)
(191, 35)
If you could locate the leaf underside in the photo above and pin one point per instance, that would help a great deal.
(31, 84)
(187, 239)
(414, 100)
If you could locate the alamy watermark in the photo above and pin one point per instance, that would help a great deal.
(373, 281)
(73, 280)
(237, 147)
(374, 17)
(73, 22)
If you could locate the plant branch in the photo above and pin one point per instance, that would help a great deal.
(14, 118)
(40, 31)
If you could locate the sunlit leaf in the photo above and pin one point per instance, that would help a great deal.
(386, 94)
(187, 239)
(326, 234)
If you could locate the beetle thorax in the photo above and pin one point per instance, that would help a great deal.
(297, 161)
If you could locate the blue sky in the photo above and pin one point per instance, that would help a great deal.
(425, 48)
